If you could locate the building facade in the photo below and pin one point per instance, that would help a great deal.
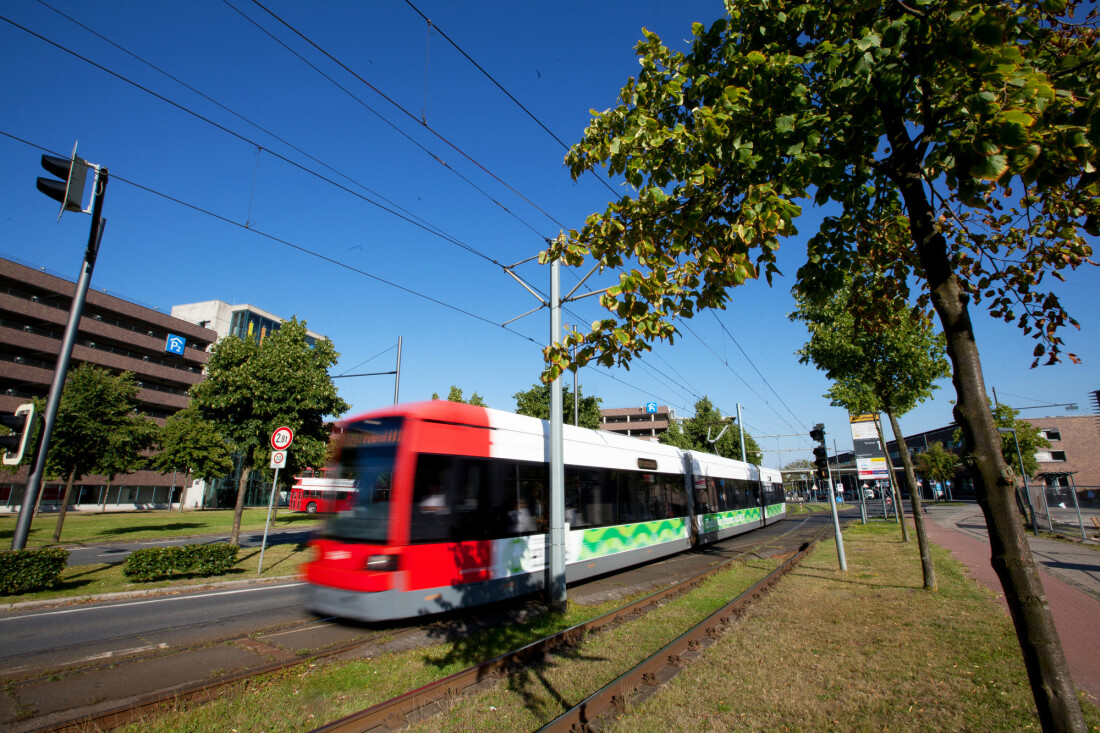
(637, 421)
(167, 355)
(243, 321)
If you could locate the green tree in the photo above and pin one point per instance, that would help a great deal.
(193, 445)
(954, 144)
(890, 365)
(455, 395)
(707, 425)
(96, 430)
(252, 388)
(937, 463)
(535, 402)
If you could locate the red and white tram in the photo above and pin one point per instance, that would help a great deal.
(451, 509)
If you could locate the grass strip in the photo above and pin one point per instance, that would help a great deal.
(81, 527)
(311, 695)
(864, 650)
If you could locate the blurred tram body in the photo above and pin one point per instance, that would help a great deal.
(452, 508)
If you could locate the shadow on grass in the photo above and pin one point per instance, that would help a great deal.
(173, 527)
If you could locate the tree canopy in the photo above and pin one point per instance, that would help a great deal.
(535, 402)
(455, 395)
(253, 387)
(96, 429)
(193, 445)
(706, 425)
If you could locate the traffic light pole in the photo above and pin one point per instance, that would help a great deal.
(34, 481)
(821, 459)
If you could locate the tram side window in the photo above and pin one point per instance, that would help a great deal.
(597, 497)
(458, 499)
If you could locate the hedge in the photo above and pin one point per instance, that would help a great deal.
(156, 563)
(22, 571)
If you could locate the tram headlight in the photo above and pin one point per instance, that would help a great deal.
(382, 562)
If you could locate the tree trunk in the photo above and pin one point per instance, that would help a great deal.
(899, 511)
(918, 515)
(183, 489)
(1044, 658)
(64, 506)
(238, 511)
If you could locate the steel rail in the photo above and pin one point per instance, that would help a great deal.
(414, 705)
(664, 664)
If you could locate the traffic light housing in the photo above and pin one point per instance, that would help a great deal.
(821, 453)
(68, 185)
(21, 424)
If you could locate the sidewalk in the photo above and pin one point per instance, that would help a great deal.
(1071, 579)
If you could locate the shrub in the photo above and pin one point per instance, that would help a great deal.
(156, 563)
(22, 571)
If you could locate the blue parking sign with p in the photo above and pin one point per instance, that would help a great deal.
(175, 344)
(651, 408)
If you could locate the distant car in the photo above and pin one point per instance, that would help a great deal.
(868, 493)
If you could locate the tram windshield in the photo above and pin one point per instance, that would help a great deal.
(367, 452)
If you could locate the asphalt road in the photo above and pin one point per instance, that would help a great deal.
(82, 634)
(117, 552)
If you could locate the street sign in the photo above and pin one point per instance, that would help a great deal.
(278, 459)
(175, 344)
(282, 438)
(651, 408)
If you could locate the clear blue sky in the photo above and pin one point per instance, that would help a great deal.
(560, 60)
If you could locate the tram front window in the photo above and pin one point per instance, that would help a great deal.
(367, 453)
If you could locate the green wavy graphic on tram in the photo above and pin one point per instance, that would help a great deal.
(610, 540)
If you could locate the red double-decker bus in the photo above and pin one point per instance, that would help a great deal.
(315, 492)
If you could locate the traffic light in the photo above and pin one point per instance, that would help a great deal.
(68, 186)
(821, 460)
(821, 453)
(21, 425)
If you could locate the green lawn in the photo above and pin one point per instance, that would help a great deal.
(142, 525)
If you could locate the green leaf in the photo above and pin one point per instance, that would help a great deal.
(990, 168)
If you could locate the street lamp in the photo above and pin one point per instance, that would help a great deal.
(1027, 486)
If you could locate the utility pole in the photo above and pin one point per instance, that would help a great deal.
(555, 582)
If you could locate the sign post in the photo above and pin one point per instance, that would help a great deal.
(280, 441)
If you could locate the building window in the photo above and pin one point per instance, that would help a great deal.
(1051, 433)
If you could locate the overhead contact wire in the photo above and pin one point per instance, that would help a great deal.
(411, 116)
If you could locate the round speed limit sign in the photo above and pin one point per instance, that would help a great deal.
(282, 438)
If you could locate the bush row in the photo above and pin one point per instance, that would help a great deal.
(156, 563)
(22, 571)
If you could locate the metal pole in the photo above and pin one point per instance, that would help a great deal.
(1023, 473)
(576, 394)
(557, 467)
(270, 506)
(397, 379)
(836, 528)
(741, 430)
(1077, 506)
(61, 370)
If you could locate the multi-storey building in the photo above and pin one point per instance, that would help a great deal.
(166, 354)
(637, 421)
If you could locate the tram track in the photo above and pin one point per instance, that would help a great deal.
(409, 707)
(414, 705)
